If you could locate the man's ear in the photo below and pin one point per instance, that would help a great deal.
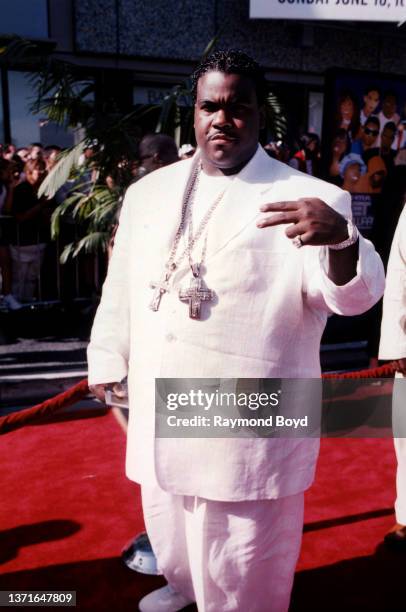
(262, 117)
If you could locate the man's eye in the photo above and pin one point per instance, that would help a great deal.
(238, 107)
(210, 108)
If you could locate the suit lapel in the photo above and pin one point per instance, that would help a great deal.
(240, 207)
(252, 186)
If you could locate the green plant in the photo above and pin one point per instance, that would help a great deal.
(67, 96)
(97, 211)
(14, 50)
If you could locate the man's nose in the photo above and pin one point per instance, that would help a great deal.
(222, 118)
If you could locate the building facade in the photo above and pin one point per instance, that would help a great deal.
(137, 50)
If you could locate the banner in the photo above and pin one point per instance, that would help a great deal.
(331, 10)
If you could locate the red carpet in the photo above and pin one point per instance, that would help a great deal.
(344, 565)
(67, 510)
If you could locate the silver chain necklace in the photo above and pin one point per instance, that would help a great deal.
(196, 293)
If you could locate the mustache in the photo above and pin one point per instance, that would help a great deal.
(222, 133)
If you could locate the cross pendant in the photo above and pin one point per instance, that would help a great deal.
(160, 287)
(195, 295)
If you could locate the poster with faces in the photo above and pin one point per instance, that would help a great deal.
(364, 128)
(364, 139)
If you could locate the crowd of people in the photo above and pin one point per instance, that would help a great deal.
(368, 157)
(25, 220)
(25, 240)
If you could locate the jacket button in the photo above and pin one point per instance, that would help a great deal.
(170, 337)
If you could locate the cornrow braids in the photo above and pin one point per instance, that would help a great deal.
(232, 61)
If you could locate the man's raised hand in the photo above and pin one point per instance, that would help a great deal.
(310, 218)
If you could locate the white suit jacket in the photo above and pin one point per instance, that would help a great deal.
(271, 308)
(393, 330)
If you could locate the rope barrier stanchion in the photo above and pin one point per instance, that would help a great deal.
(16, 420)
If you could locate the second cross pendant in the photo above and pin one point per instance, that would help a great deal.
(196, 294)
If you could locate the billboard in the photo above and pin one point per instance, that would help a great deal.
(331, 10)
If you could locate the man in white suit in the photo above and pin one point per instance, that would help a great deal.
(393, 346)
(225, 516)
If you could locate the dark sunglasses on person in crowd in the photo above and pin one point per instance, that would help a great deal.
(370, 132)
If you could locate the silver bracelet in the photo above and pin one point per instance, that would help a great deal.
(353, 236)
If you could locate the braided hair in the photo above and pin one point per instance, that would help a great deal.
(232, 61)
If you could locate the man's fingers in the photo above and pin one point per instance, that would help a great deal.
(300, 230)
(307, 238)
(99, 391)
(297, 229)
(280, 206)
(277, 219)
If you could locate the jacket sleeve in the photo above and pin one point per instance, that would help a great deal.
(109, 347)
(393, 331)
(356, 296)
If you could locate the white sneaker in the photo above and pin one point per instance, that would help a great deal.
(11, 302)
(164, 599)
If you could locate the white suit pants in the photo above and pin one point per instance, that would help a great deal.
(226, 555)
(400, 503)
(399, 429)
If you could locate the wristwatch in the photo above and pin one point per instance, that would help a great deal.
(353, 236)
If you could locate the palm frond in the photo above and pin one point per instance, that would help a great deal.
(15, 49)
(82, 208)
(62, 93)
(177, 126)
(91, 243)
(59, 212)
(211, 45)
(67, 252)
(275, 117)
(61, 171)
(169, 104)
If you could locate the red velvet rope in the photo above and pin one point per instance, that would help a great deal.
(24, 417)
(16, 420)
(386, 371)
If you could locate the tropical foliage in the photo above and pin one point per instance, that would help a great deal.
(68, 99)
(96, 210)
(67, 96)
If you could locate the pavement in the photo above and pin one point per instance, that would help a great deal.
(33, 370)
(42, 352)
